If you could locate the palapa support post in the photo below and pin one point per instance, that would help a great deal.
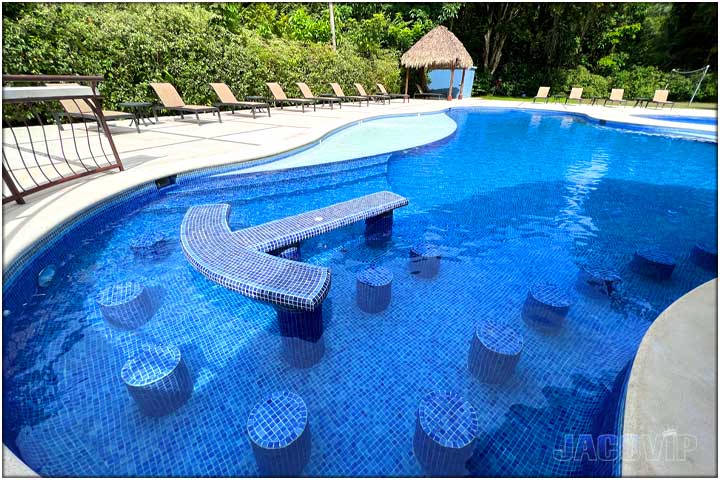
(452, 79)
(462, 84)
(407, 79)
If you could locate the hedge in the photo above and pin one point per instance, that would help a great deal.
(135, 44)
(639, 81)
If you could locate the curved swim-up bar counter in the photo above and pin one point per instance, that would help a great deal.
(241, 260)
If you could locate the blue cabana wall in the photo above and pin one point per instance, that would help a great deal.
(440, 81)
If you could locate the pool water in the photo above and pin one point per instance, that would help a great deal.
(511, 198)
(683, 119)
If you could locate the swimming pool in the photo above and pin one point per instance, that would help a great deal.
(512, 198)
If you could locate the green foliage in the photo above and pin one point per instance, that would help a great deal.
(187, 45)
(593, 85)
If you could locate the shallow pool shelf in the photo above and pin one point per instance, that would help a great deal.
(495, 351)
(149, 245)
(546, 307)
(158, 379)
(445, 430)
(280, 435)
(653, 263)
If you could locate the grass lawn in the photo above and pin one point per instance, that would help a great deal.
(699, 105)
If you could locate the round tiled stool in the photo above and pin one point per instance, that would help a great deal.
(302, 353)
(546, 307)
(280, 435)
(653, 263)
(158, 379)
(494, 352)
(425, 260)
(597, 281)
(149, 244)
(705, 256)
(126, 305)
(445, 430)
(374, 289)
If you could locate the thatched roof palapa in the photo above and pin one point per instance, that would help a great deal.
(439, 48)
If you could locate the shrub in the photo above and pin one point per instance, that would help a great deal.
(593, 85)
(184, 44)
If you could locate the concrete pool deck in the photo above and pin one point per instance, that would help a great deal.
(175, 146)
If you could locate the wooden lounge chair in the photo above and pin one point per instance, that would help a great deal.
(616, 96)
(542, 93)
(227, 99)
(384, 91)
(376, 97)
(82, 110)
(421, 94)
(281, 99)
(307, 93)
(337, 89)
(172, 102)
(575, 94)
(660, 98)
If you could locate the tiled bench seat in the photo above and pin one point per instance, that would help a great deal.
(239, 260)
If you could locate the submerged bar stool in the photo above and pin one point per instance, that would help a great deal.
(158, 379)
(374, 289)
(149, 244)
(597, 281)
(705, 256)
(653, 263)
(546, 307)
(445, 430)
(378, 230)
(494, 352)
(301, 336)
(425, 260)
(126, 305)
(280, 435)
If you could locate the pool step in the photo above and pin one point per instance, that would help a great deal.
(341, 171)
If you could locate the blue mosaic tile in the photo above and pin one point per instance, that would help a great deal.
(502, 227)
(280, 435)
(448, 419)
(705, 255)
(653, 262)
(158, 379)
(236, 260)
(125, 304)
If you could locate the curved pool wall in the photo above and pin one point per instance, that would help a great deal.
(367, 173)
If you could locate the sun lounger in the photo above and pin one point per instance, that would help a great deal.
(376, 97)
(575, 94)
(227, 99)
(542, 93)
(82, 110)
(281, 99)
(421, 94)
(172, 102)
(337, 89)
(616, 96)
(384, 91)
(660, 98)
(307, 93)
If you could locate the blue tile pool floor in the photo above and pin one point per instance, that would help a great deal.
(511, 198)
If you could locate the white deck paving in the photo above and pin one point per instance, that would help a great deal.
(175, 146)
